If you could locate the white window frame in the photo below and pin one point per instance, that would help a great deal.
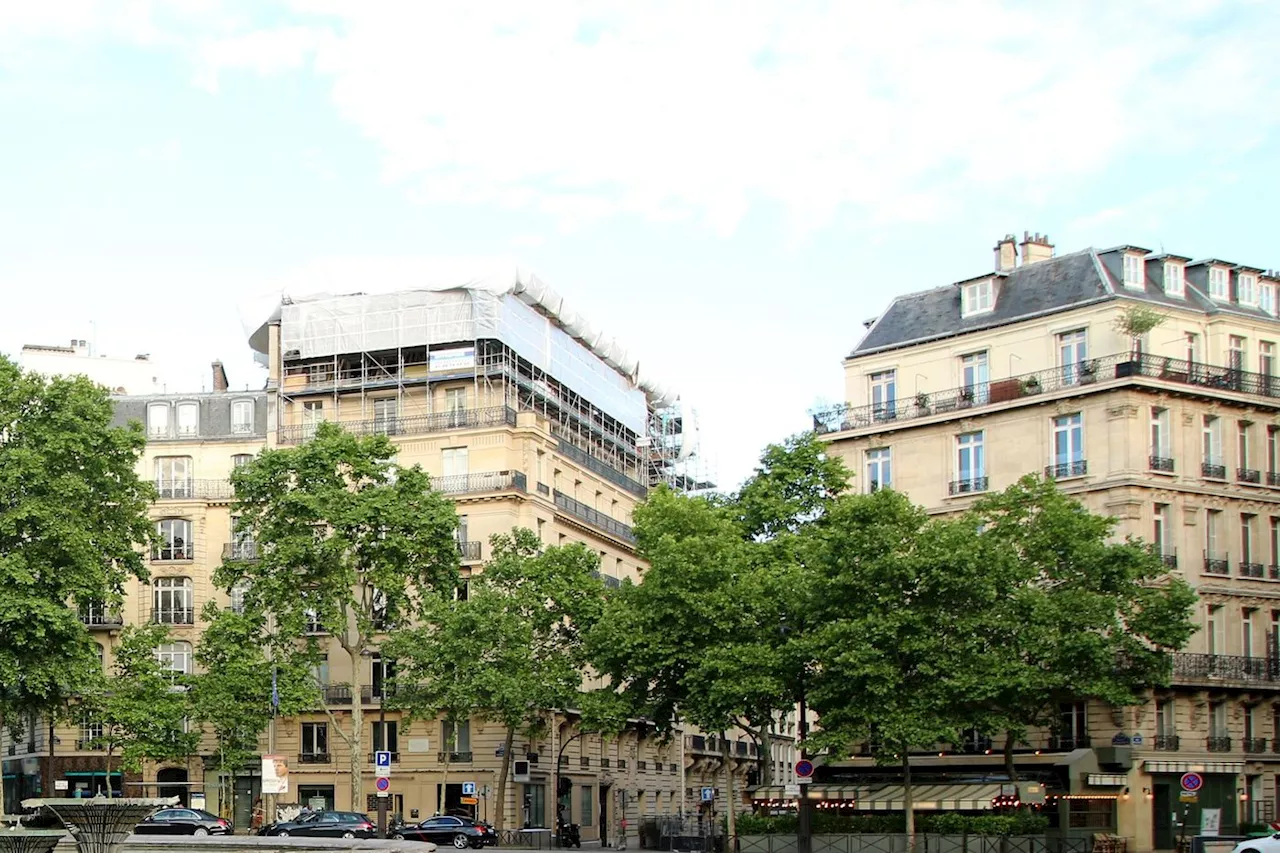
(1246, 633)
(239, 460)
(879, 469)
(312, 414)
(176, 656)
(1211, 445)
(173, 531)
(1237, 352)
(173, 601)
(1175, 283)
(174, 476)
(977, 297)
(971, 446)
(1247, 289)
(975, 375)
(1161, 425)
(159, 420)
(1073, 352)
(883, 394)
(237, 593)
(242, 424)
(455, 461)
(1218, 284)
(1248, 537)
(188, 419)
(1212, 521)
(455, 400)
(1267, 298)
(1244, 442)
(386, 415)
(1134, 271)
(1162, 531)
(1068, 440)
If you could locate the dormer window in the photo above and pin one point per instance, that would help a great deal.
(1247, 289)
(1133, 272)
(976, 298)
(1267, 298)
(1173, 281)
(1218, 283)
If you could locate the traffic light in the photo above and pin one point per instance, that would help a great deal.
(564, 786)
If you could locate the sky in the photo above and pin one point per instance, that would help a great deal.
(729, 188)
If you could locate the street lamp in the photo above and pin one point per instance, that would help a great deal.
(556, 783)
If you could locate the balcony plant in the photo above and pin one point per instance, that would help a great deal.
(1031, 385)
(1135, 322)
(966, 397)
(922, 403)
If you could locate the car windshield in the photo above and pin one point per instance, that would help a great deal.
(308, 818)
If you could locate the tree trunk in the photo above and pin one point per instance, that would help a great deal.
(731, 811)
(1, 766)
(110, 749)
(1009, 766)
(499, 819)
(766, 756)
(908, 805)
(357, 734)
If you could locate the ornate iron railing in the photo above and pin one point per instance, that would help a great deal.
(606, 471)
(1248, 475)
(410, 424)
(1216, 563)
(313, 758)
(1165, 743)
(1254, 745)
(489, 481)
(1067, 469)
(193, 490)
(95, 615)
(173, 616)
(1252, 570)
(1212, 471)
(245, 550)
(1217, 744)
(1160, 463)
(469, 551)
(1190, 666)
(593, 517)
(968, 486)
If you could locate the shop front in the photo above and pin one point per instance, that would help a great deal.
(1170, 812)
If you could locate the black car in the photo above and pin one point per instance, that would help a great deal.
(323, 825)
(459, 832)
(183, 822)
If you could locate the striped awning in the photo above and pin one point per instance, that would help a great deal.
(1107, 780)
(1232, 768)
(968, 796)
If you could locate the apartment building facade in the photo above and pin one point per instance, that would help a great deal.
(961, 390)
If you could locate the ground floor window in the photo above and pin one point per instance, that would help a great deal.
(535, 806)
(588, 805)
(319, 797)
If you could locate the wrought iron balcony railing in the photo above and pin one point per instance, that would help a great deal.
(972, 485)
(173, 616)
(1170, 558)
(593, 517)
(1273, 478)
(469, 551)
(1273, 572)
(1213, 471)
(245, 550)
(487, 481)
(337, 694)
(457, 757)
(97, 616)
(1254, 745)
(314, 758)
(1165, 743)
(1078, 468)
(1248, 475)
(1252, 570)
(1066, 743)
(172, 553)
(1190, 667)
(1217, 744)
(192, 489)
(596, 466)
(1160, 463)
(410, 424)
(1216, 563)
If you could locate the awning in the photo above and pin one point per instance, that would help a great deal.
(1232, 768)
(966, 796)
(820, 792)
(1107, 780)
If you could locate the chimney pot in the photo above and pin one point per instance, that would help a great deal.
(219, 378)
(1006, 254)
(1036, 248)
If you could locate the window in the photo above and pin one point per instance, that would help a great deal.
(1275, 551)
(1073, 353)
(384, 737)
(1162, 532)
(455, 399)
(1216, 633)
(173, 476)
(158, 420)
(1273, 456)
(384, 672)
(1235, 352)
(1193, 348)
(173, 601)
(1246, 634)
(1166, 718)
(975, 377)
(174, 540)
(1161, 452)
(879, 469)
(1217, 283)
(884, 394)
(188, 420)
(1173, 281)
(90, 732)
(455, 737)
(1073, 728)
(1212, 534)
(1248, 524)
(976, 298)
(1247, 289)
(386, 413)
(1267, 298)
(970, 462)
(1068, 445)
(1133, 273)
(1242, 444)
(588, 805)
(320, 671)
(315, 740)
(1212, 441)
(1218, 720)
(241, 459)
(455, 461)
(312, 414)
(175, 656)
(242, 417)
(237, 594)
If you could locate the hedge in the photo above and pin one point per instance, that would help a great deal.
(947, 823)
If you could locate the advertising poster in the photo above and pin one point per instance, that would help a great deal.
(275, 774)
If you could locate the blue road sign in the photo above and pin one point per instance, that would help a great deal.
(468, 789)
(804, 768)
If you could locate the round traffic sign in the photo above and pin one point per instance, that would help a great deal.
(1192, 781)
(804, 768)
(383, 783)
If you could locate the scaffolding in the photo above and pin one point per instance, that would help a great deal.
(518, 349)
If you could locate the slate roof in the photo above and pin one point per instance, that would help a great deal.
(1058, 284)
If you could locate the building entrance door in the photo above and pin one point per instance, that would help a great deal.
(604, 816)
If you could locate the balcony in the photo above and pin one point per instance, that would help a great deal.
(189, 490)
(469, 551)
(1254, 745)
(314, 758)
(1160, 463)
(595, 466)
(1170, 559)
(173, 616)
(1067, 743)
(1252, 570)
(488, 481)
(972, 485)
(97, 617)
(1191, 668)
(1063, 470)
(544, 490)
(1248, 475)
(337, 694)
(1216, 563)
(460, 757)
(595, 518)
(1210, 471)
(1165, 743)
(1217, 744)
(1273, 572)
(410, 424)
(245, 551)
(1273, 479)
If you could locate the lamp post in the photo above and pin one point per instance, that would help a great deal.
(556, 783)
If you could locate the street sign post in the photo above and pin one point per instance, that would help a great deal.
(708, 795)
(383, 784)
(804, 771)
(382, 762)
(468, 789)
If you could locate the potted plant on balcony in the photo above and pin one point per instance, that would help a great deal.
(966, 397)
(1088, 370)
(922, 403)
(1031, 385)
(1135, 322)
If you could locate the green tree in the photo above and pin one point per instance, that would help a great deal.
(237, 685)
(143, 706)
(1085, 616)
(73, 514)
(348, 541)
(898, 641)
(511, 651)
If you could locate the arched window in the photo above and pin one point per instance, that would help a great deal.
(173, 602)
(237, 596)
(188, 420)
(175, 656)
(174, 541)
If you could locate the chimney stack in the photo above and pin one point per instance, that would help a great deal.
(1006, 253)
(219, 378)
(1035, 248)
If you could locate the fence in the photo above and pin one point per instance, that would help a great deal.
(677, 834)
(925, 843)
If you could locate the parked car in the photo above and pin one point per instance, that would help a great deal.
(1262, 844)
(323, 825)
(183, 822)
(460, 832)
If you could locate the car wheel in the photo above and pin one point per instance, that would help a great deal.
(461, 842)
(200, 832)
(283, 833)
(399, 836)
(348, 834)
